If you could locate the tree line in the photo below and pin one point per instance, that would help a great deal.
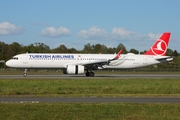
(9, 50)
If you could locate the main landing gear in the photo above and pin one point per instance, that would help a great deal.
(25, 73)
(90, 74)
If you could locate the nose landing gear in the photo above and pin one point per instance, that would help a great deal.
(25, 73)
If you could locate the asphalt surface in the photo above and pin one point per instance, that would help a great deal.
(87, 100)
(104, 76)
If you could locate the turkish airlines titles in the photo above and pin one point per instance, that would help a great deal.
(51, 56)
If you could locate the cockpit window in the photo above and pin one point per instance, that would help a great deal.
(15, 58)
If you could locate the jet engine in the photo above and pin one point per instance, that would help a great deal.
(74, 69)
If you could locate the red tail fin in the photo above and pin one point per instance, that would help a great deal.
(160, 46)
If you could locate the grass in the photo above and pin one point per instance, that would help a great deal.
(89, 111)
(91, 87)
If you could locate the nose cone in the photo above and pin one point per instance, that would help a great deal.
(9, 63)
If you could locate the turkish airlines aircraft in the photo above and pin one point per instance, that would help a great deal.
(78, 63)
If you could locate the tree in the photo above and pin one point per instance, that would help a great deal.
(175, 53)
(73, 50)
(87, 48)
(169, 52)
(112, 50)
(61, 49)
(97, 48)
(104, 49)
(134, 51)
(11, 50)
(31, 49)
(143, 52)
(42, 48)
(2, 50)
(15, 48)
(121, 46)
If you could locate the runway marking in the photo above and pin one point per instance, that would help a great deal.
(89, 100)
(19, 101)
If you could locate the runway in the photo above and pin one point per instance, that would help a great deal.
(104, 76)
(87, 100)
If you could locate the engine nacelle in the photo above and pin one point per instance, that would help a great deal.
(74, 69)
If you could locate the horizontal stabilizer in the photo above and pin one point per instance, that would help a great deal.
(165, 59)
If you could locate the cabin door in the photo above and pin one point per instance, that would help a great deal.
(25, 59)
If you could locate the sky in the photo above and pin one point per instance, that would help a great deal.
(134, 23)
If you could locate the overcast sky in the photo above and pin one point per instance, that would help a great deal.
(134, 23)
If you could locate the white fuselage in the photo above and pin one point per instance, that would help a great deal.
(60, 61)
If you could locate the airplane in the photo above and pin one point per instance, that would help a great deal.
(79, 63)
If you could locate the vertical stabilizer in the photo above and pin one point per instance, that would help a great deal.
(160, 46)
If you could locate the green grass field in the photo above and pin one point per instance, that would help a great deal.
(91, 87)
(139, 87)
(89, 111)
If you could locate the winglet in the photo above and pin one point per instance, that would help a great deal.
(117, 56)
(119, 53)
(160, 46)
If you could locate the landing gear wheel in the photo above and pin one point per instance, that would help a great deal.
(25, 74)
(87, 73)
(90, 74)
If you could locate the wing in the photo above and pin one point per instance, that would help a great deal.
(95, 65)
